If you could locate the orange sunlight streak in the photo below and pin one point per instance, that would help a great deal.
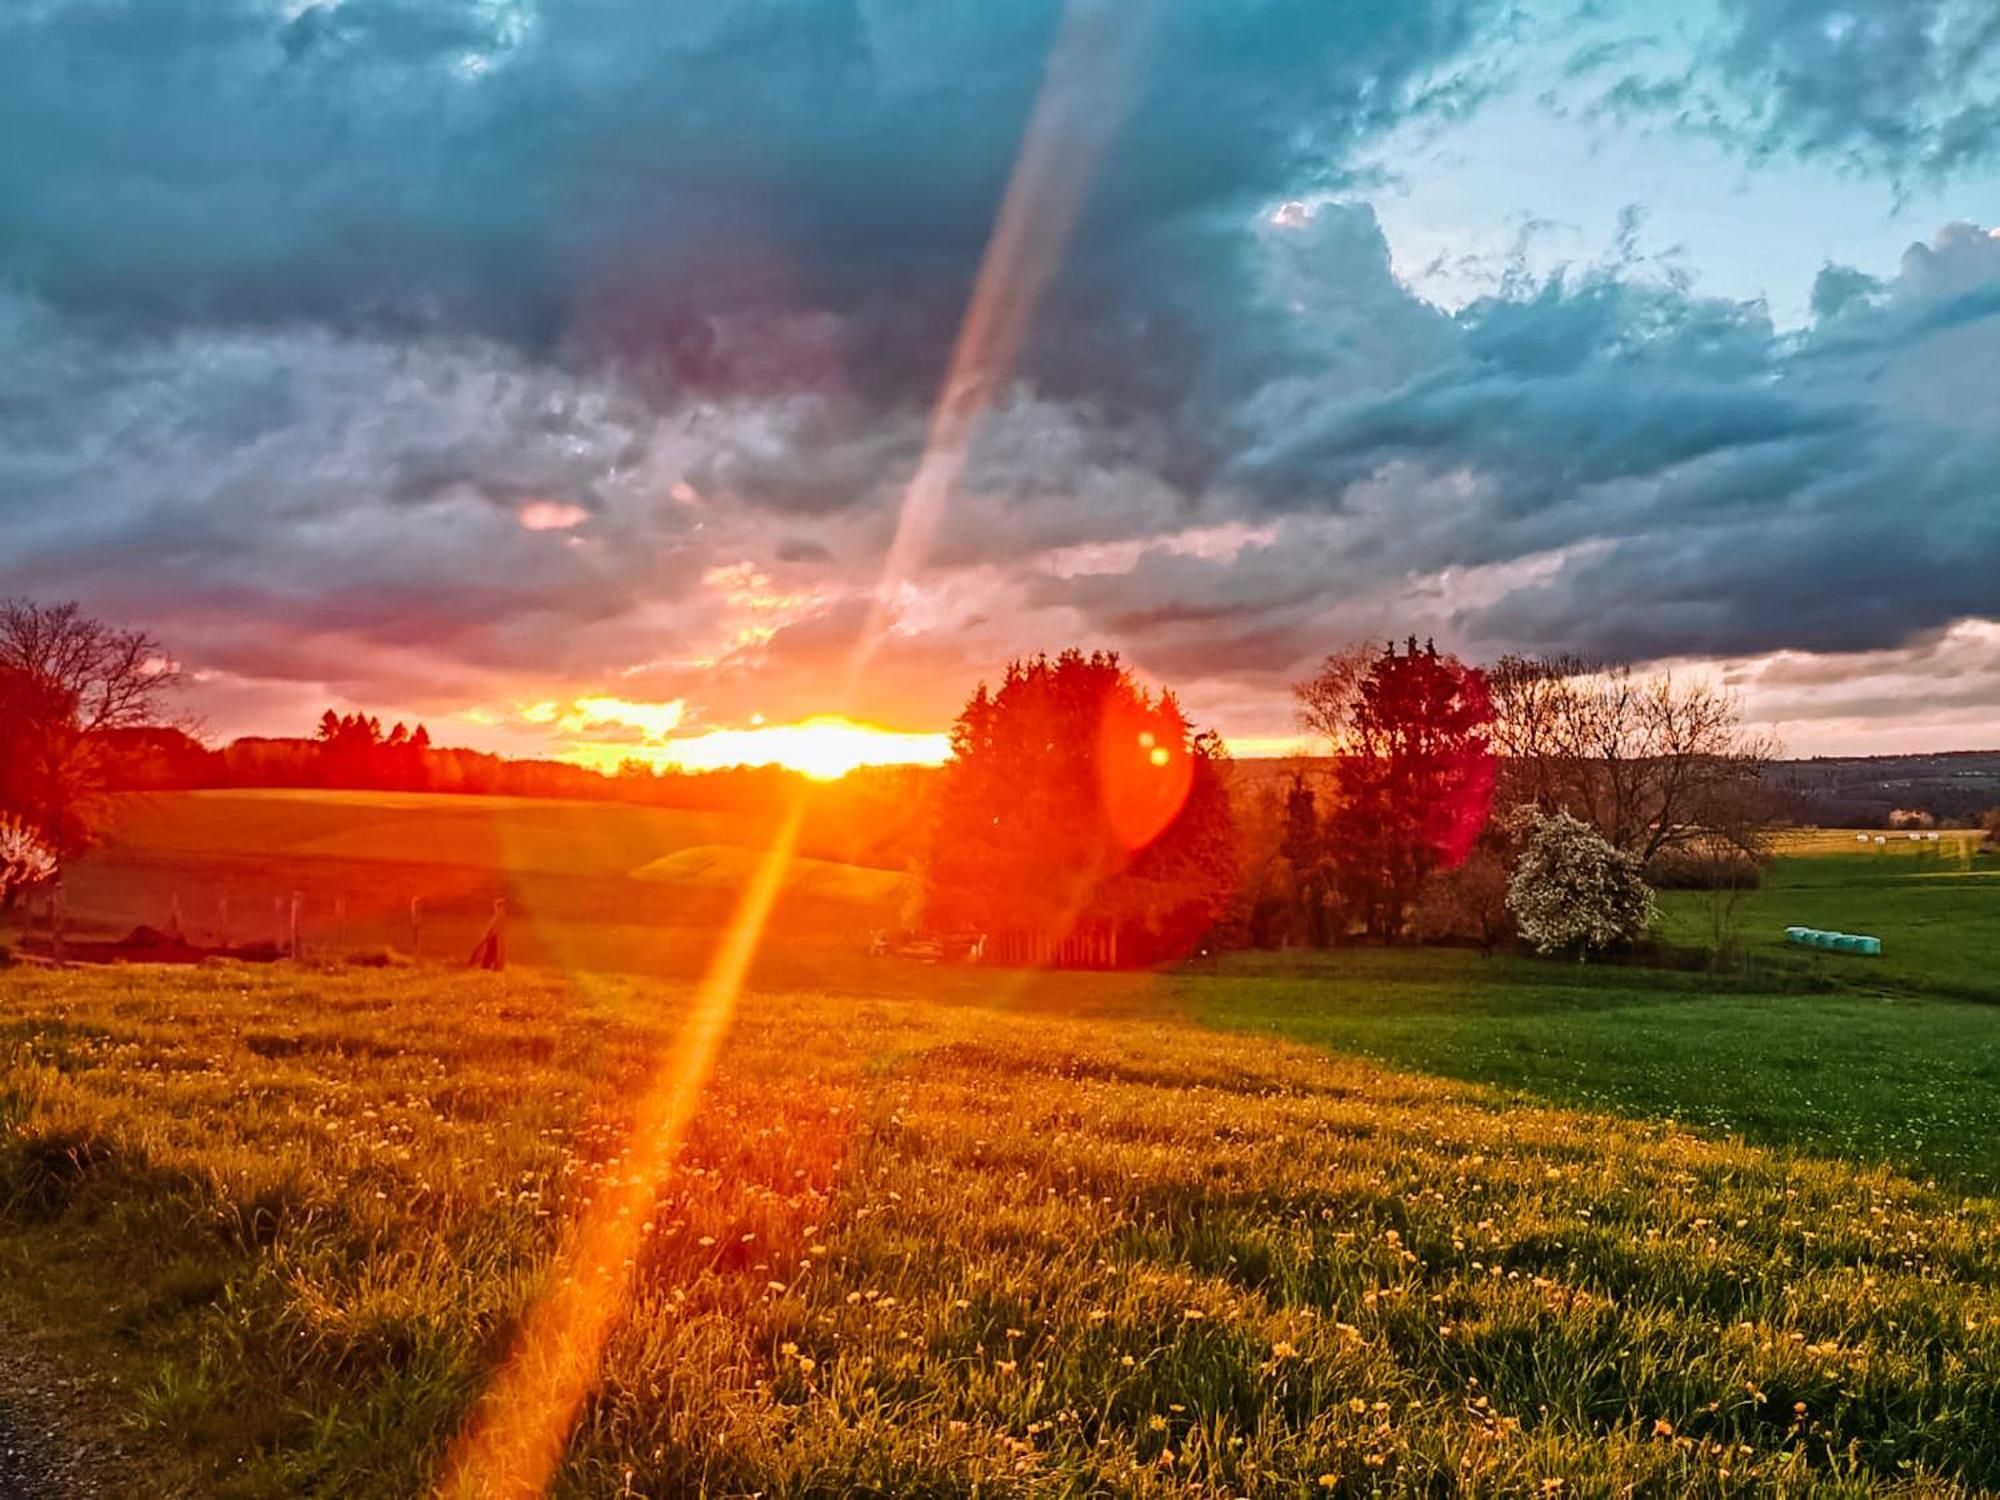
(517, 1434)
(522, 1424)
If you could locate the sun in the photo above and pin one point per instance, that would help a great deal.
(825, 747)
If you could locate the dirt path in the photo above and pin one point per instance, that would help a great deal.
(60, 1429)
(37, 1461)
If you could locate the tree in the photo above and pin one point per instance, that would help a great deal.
(1413, 773)
(1079, 818)
(67, 682)
(1468, 903)
(25, 861)
(1573, 891)
(1657, 765)
(354, 752)
(1304, 851)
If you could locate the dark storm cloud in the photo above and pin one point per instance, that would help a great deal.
(1707, 484)
(739, 196)
(1910, 86)
(522, 341)
(799, 549)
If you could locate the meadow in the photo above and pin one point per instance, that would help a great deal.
(592, 886)
(1357, 1223)
(1936, 907)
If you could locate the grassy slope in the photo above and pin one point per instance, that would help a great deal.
(213, 1145)
(594, 886)
(1909, 1081)
(1052, 1240)
(1937, 914)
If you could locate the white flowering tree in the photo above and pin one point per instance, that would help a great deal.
(1572, 891)
(24, 859)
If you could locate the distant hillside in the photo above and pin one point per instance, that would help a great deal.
(1863, 791)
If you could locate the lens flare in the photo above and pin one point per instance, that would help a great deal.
(1144, 772)
(518, 1433)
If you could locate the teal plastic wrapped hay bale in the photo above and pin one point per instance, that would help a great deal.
(1834, 942)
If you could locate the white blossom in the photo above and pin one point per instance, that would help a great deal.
(1572, 891)
(24, 859)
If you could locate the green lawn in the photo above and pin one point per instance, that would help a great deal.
(1909, 1081)
(1868, 1059)
(965, 1235)
(1938, 916)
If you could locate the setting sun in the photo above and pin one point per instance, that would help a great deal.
(825, 747)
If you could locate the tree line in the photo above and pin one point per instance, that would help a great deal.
(1539, 796)
(1082, 817)
(86, 711)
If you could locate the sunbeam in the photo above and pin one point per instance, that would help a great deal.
(515, 1440)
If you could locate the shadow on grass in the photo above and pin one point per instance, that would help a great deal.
(1908, 1082)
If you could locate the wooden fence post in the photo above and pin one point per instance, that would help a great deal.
(491, 950)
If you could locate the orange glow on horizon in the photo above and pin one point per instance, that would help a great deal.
(824, 747)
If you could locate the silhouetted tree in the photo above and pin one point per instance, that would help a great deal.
(1079, 819)
(67, 682)
(354, 752)
(1413, 773)
(1304, 850)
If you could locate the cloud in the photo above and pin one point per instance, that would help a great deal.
(1703, 482)
(550, 515)
(1911, 87)
(440, 354)
(737, 197)
(654, 721)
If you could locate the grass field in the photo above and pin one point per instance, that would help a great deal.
(1936, 910)
(1060, 1240)
(1356, 1223)
(594, 886)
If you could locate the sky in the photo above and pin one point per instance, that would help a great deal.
(556, 373)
